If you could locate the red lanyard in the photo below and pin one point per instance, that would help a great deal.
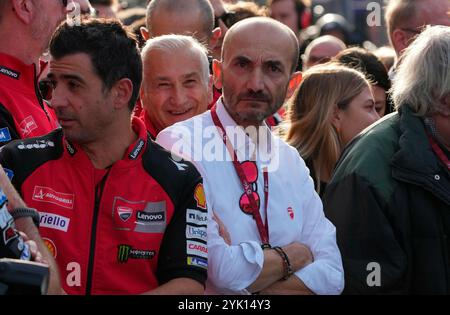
(437, 149)
(263, 229)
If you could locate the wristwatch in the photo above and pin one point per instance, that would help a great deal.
(26, 212)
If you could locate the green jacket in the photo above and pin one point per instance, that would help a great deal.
(390, 202)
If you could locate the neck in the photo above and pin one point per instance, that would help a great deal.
(19, 45)
(442, 125)
(244, 123)
(110, 148)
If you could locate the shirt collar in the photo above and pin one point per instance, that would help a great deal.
(133, 153)
(19, 75)
(149, 124)
(245, 145)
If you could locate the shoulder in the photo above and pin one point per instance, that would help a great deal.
(171, 172)
(369, 155)
(23, 156)
(183, 137)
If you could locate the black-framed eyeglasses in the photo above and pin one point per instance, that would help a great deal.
(228, 18)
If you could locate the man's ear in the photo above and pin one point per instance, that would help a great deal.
(123, 90)
(294, 82)
(400, 40)
(24, 9)
(210, 90)
(214, 38)
(217, 74)
(144, 33)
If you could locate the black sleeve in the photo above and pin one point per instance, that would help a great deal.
(8, 131)
(183, 252)
(366, 235)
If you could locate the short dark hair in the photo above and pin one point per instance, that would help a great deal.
(112, 48)
(300, 7)
(368, 63)
(205, 7)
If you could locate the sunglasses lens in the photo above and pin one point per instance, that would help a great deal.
(250, 171)
(244, 203)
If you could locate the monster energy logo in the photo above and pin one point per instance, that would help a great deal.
(126, 252)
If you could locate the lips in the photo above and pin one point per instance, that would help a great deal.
(179, 111)
(64, 122)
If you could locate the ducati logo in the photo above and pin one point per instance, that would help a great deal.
(290, 212)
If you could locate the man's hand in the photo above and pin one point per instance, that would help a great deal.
(35, 253)
(299, 256)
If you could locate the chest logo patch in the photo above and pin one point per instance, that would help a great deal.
(139, 216)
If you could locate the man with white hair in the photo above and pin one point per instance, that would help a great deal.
(321, 50)
(176, 82)
(390, 194)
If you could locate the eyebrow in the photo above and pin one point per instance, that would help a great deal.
(242, 58)
(192, 75)
(67, 77)
(275, 63)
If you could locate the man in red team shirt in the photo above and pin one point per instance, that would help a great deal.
(118, 213)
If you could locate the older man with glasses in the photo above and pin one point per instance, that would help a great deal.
(405, 19)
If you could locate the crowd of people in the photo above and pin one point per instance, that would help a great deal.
(228, 147)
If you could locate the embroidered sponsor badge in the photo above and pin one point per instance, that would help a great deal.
(126, 252)
(49, 195)
(196, 248)
(196, 232)
(196, 216)
(139, 216)
(197, 261)
(50, 246)
(9, 72)
(290, 212)
(5, 135)
(53, 221)
(199, 196)
(27, 125)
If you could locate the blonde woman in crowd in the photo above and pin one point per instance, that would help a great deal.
(330, 107)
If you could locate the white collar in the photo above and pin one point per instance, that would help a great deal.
(245, 146)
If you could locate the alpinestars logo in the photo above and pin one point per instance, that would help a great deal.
(125, 252)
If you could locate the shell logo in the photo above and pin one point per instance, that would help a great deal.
(199, 196)
(51, 246)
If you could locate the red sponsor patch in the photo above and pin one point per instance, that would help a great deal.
(199, 196)
(290, 212)
(124, 213)
(51, 246)
(46, 194)
(28, 125)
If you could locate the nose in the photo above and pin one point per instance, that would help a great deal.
(59, 99)
(178, 96)
(255, 81)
